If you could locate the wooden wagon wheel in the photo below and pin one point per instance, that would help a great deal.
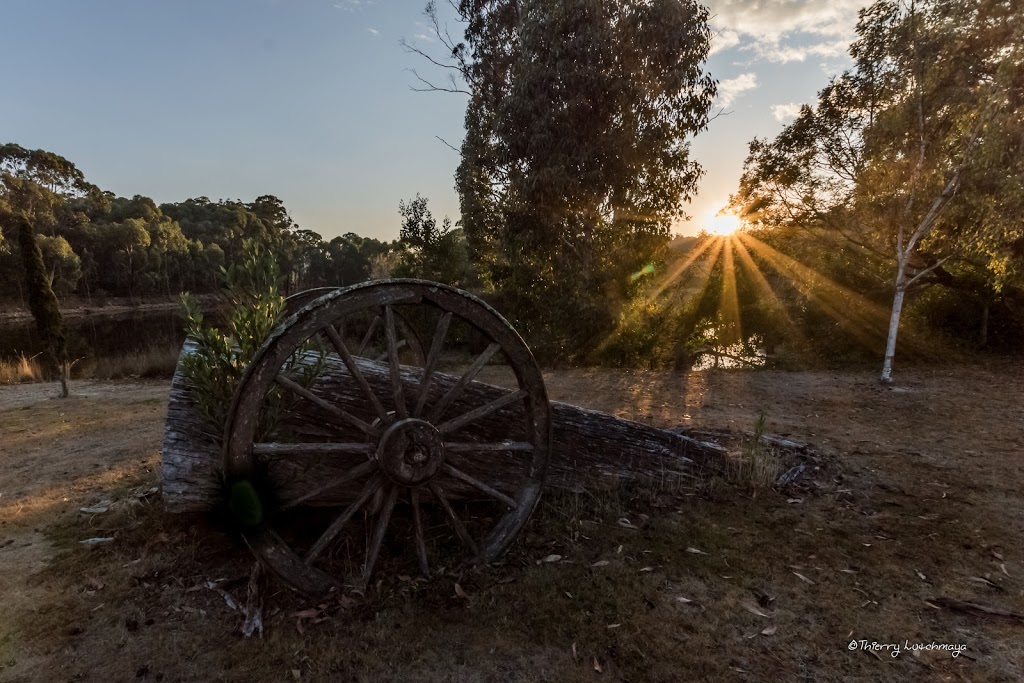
(409, 441)
(370, 337)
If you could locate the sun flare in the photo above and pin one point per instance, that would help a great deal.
(718, 223)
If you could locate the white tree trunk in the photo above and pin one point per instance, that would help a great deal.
(894, 326)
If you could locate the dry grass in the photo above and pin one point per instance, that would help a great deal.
(758, 466)
(151, 363)
(22, 369)
(928, 501)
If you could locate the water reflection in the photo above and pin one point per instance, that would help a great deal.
(99, 335)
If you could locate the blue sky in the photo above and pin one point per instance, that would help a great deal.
(310, 100)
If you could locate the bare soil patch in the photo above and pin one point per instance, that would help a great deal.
(925, 501)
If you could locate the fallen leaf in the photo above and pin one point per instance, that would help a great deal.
(626, 524)
(683, 600)
(574, 656)
(95, 509)
(568, 595)
(985, 582)
(803, 578)
(998, 556)
(753, 609)
(551, 558)
(848, 571)
(601, 563)
(769, 630)
(597, 666)
(1003, 567)
(794, 501)
(920, 575)
(96, 541)
(618, 551)
(693, 550)
(613, 625)
(459, 592)
(296, 674)
(310, 613)
(647, 569)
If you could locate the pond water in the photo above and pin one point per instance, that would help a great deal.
(99, 335)
(108, 335)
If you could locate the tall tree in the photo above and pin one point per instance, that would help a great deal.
(42, 301)
(576, 158)
(915, 153)
(34, 184)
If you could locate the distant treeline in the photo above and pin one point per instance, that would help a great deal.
(96, 244)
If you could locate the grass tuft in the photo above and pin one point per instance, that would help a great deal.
(21, 369)
(758, 465)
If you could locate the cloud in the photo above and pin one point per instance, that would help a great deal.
(373, 32)
(773, 51)
(781, 112)
(776, 18)
(784, 30)
(730, 89)
(723, 40)
(352, 5)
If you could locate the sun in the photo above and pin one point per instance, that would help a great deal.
(720, 223)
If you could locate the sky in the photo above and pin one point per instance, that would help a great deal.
(312, 100)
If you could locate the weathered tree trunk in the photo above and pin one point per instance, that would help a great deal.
(591, 450)
(894, 326)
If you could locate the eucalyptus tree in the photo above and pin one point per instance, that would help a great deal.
(576, 158)
(33, 186)
(914, 154)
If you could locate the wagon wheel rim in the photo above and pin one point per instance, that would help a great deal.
(411, 454)
(408, 340)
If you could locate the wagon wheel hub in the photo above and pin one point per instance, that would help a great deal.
(410, 452)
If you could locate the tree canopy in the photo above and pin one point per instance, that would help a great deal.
(912, 160)
(576, 158)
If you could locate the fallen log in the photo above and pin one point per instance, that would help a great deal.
(590, 450)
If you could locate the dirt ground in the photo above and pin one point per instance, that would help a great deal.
(720, 583)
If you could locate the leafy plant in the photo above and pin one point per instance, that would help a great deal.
(255, 306)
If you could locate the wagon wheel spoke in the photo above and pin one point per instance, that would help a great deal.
(356, 472)
(383, 519)
(338, 524)
(418, 535)
(396, 377)
(497, 404)
(480, 486)
(339, 345)
(466, 378)
(369, 335)
(456, 523)
(435, 352)
(337, 412)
